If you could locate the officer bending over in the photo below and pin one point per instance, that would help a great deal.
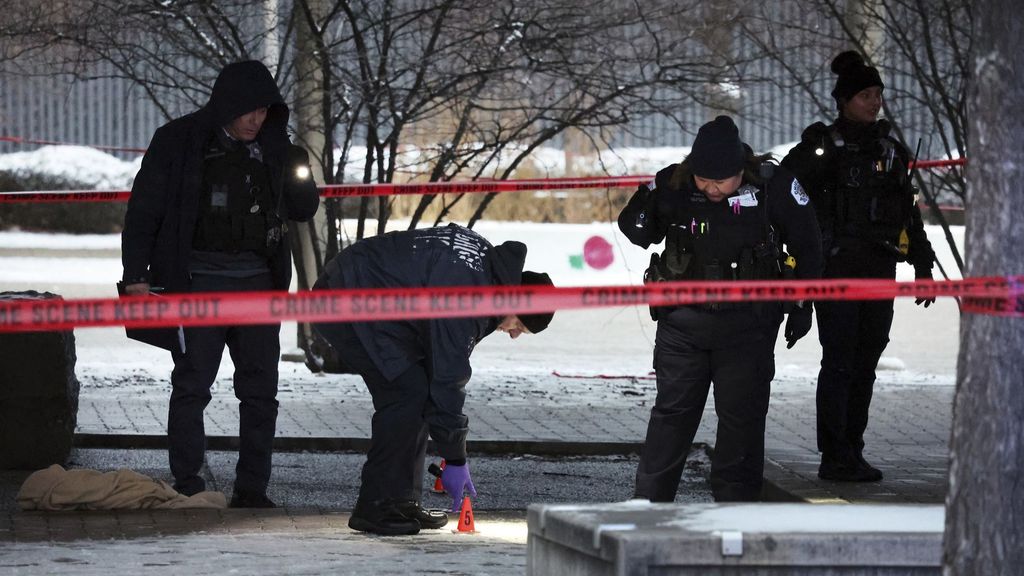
(724, 214)
(417, 370)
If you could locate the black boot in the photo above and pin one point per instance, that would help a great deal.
(874, 473)
(429, 519)
(846, 469)
(251, 500)
(382, 517)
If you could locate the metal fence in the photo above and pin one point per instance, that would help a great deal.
(112, 112)
(106, 111)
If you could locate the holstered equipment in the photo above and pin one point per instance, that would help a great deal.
(237, 210)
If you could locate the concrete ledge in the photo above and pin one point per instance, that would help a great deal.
(637, 538)
(341, 444)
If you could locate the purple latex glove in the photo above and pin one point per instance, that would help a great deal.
(455, 480)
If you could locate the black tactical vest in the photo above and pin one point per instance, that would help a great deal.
(236, 211)
(871, 198)
(727, 240)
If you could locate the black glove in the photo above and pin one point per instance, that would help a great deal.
(798, 324)
(648, 201)
(924, 274)
(638, 220)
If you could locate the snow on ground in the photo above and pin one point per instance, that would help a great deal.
(87, 166)
(91, 167)
(614, 342)
(559, 249)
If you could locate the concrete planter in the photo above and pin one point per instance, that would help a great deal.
(38, 394)
(638, 538)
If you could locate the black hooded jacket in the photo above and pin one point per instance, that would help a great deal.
(164, 204)
(432, 257)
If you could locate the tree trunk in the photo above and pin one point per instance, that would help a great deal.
(308, 113)
(723, 93)
(271, 45)
(862, 20)
(985, 505)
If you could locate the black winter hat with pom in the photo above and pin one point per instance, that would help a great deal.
(717, 152)
(853, 74)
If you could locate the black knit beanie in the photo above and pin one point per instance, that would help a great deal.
(536, 322)
(853, 74)
(717, 152)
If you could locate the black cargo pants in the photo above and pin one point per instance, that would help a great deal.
(398, 430)
(255, 352)
(693, 349)
(853, 335)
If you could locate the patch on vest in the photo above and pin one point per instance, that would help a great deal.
(798, 193)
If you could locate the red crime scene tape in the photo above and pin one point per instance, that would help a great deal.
(995, 295)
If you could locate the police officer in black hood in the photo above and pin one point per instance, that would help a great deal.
(417, 370)
(857, 177)
(209, 212)
(725, 214)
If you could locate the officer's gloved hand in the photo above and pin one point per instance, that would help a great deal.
(798, 324)
(456, 480)
(648, 203)
(921, 273)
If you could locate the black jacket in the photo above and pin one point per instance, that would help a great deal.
(737, 238)
(430, 257)
(817, 162)
(164, 204)
(660, 208)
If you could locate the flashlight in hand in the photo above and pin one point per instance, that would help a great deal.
(434, 470)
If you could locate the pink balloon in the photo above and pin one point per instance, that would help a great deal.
(598, 253)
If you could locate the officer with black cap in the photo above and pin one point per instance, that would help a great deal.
(856, 175)
(725, 214)
(417, 370)
(209, 212)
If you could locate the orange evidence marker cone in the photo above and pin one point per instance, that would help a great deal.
(466, 523)
(438, 487)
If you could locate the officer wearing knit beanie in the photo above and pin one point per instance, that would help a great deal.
(853, 75)
(723, 215)
(416, 370)
(717, 153)
(855, 174)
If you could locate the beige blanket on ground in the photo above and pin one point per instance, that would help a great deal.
(58, 489)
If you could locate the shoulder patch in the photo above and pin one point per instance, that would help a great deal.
(798, 193)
